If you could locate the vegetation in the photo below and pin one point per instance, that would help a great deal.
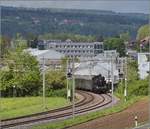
(55, 83)
(115, 43)
(14, 107)
(136, 87)
(143, 32)
(65, 36)
(83, 22)
(4, 45)
(20, 73)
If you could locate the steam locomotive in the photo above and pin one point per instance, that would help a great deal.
(97, 84)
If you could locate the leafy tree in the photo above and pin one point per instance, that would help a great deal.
(115, 43)
(5, 44)
(55, 79)
(143, 32)
(21, 73)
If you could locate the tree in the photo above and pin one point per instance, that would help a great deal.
(55, 79)
(5, 44)
(143, 32)
(21, 72)
(115, 43)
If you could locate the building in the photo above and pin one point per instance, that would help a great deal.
(70, 49)
(143, 65)
(51, 58)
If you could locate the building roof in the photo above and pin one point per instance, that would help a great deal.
(47, 54)
(88, 70)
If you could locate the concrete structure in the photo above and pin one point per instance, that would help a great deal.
(143, 65)
(76, 49)
(52, 58)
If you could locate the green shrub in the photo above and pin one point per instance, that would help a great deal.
(58, 93)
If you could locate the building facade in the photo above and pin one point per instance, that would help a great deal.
(76, 49)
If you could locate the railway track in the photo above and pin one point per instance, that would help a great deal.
(89, 102)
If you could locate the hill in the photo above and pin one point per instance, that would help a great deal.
(84, 22)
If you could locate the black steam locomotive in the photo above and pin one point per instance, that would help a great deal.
(99, 84)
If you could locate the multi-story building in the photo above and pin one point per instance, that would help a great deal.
(76, 49)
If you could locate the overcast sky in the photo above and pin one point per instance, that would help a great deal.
(138, 6)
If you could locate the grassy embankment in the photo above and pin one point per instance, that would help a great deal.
(137, 90)
(13, 107)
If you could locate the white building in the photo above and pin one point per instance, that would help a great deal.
(143, 65)
(73, 49)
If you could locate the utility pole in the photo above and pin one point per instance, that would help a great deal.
(67, 77)
(125, 89)
(44, 102)
(73, 90)
(112, 79)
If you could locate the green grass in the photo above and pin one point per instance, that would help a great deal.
(90, 116)
(13, 107)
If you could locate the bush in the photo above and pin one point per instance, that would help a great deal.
(55, 79)
(58, 93)
(139, 87)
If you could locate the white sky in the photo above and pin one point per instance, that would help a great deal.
(138, 6)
